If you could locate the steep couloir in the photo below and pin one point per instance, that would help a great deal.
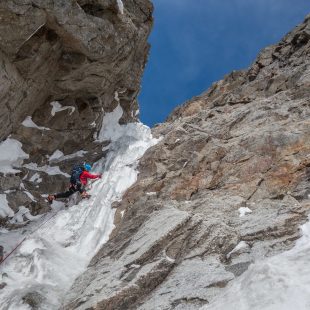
(226, 186)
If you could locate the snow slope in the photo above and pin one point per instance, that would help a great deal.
(53, 256)
(281, 282)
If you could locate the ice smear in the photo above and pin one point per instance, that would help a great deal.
(108, 132)
(28, 122)
(57, 107)
(30, 195)
(281, 282)
(5, 210)
(47, 169)
(60, 250)
(9, 191)
(151, 193)
(244, 210)
(116, 96)
(56, 155)
(120, 6)
(36, 178)
(240, 246)
(59, 156)
(11, 155)
(168, 258)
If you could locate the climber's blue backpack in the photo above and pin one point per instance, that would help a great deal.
(76, 173)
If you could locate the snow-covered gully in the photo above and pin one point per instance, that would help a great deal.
(50, 259)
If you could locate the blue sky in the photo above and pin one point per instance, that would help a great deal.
(197, 42)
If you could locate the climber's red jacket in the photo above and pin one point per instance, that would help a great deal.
(86, 175)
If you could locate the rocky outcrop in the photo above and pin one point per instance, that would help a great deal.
(227, 185)
(64, 65)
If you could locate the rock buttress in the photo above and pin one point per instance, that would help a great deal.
(242, 144)
(85, 56)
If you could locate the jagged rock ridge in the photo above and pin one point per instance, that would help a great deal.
(243, 146)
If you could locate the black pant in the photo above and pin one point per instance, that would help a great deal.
(72, 189)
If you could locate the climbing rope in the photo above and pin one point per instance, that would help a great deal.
(37, 228)
(33, 231)
(12, 250)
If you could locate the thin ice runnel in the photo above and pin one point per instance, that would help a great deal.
(50, 260)
(120, 6)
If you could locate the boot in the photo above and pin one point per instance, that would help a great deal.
(85, 195)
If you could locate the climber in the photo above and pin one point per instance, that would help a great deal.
(78, 181)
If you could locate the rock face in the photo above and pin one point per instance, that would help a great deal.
(63, 65)
(227, 185)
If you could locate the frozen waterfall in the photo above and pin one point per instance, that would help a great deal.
(48, 261)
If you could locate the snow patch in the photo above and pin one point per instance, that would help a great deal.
(5, 210)
(28, 122)
(30, 196)
(9, 191)
(22, 214)
(11, 155)
(116, 96)
(120, 6)
(59, 156)
(47, 169)
(56, 155)
(243, 211)
(115, 131)
(240, 246)
(36, 178)
(168, 258)
(57, 107)
(112, 130)
(151, 193)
